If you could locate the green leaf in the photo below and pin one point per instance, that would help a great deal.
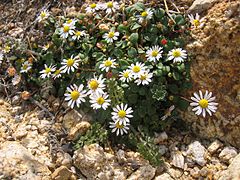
(122, 29)
(48, 58)
(176, 76)
(132, 52)
(123, 62)
(118, 52)
(135, 26)
(182, 104)
(56, 40)
(133, 38)
(179, 19)
(159, 13)
(139, 6)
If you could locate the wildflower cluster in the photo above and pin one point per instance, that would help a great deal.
(124, 62)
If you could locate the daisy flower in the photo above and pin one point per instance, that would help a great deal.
(107, 64)
(6, 49)
(111, 36)
(137, 69)
(57, 74)
(75, 95)
(122, 113)
(69, 65)
(145, 15)
(99, 101)
(71, 23)
(96, 85)
(110, 7)
(119, 128)
(47, 71)
(66, 30)
(196, 22)
(92, 8)
(204, 103)
(154, 54)
(125, 76)
(78, 34)
(177, 55)
(43, 15)
(144, 78)
(26, 66)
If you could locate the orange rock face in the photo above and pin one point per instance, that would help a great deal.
(216, 67)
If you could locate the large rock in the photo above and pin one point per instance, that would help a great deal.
(233, 171)
(17, 162)
(199, 6)
(216, 68)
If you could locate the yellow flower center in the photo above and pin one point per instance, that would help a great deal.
(75, 95)
(143, 77)
(119, 126)
(57, 72)
(126, 74)
(136, 69)
(154, 53)
(203, 103)
(78, 33)
(7, 48)
(111, 34)
(93, 5)
(66, 28)
(93, 84)
(47, 70)
(100, 100)
(109, 4)
(176, 53)
(69, 21)
(121, 113)
(196, 22)
(43, 14)
(107, 63)
(144, 14)
(70, 62)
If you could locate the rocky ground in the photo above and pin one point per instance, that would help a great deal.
(32, 147)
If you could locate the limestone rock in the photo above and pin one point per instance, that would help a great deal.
(61, 173)
(143, 173)
(214, 146)
(200, 6)
(227, 154)
(195, 172)
(215, 68)
(15, 158)
(233, 171)
(196, 151)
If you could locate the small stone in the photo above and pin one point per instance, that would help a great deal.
(71, 119)
(196, 152)
(163, 149)
(160, 137)
(200, 6)
(164, 176)
(143, 173)
(1, 102)
(214, 146)
(175, 173)
(80, 129)
(195, 172)
(61, 173)
(204, 171)
(227, 154)
(177, 159)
